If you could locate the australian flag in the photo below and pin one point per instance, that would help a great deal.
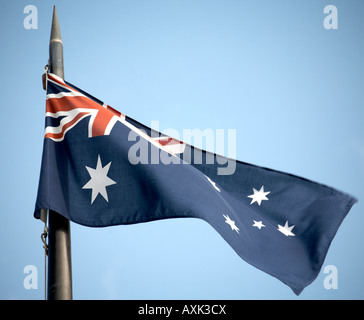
(101, 168)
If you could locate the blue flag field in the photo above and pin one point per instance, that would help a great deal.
(101, 168)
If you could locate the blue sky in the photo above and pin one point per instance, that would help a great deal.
(269, 69)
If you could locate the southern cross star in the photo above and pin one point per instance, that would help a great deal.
(213, 184)
(231, 223)
(286, 230)
(258, 224)
(99, 180)
(258, 196)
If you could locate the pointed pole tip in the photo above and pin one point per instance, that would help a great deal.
(55, 31)
(54, 10)
(56, 48)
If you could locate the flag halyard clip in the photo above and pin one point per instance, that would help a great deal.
(45, 76)
(43, 237)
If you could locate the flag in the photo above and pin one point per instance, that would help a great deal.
(101, 168)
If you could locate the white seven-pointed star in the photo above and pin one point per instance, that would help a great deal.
(231, 223)
(258, 224)
(286, 230)
(258, 196)
(99, 180)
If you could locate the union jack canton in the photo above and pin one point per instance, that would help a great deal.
(72, 111)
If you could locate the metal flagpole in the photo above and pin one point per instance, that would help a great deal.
(59, 241)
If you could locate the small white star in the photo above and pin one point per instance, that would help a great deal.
(99, 180)
(258, 224)
(231, 223)
(258, 196)
(286, 230)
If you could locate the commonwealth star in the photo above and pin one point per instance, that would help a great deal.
(99, 180)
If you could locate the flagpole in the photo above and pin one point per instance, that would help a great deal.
(59, 241)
